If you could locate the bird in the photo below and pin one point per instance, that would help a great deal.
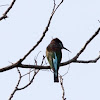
(54, 56)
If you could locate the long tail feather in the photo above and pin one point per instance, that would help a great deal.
(56, 79)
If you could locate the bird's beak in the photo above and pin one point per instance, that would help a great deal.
(66, 49)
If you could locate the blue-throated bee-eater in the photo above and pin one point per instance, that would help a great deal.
(54, 56)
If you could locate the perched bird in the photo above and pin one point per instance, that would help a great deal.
(54, 56)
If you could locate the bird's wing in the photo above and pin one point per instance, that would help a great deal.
(55, 62)
(54, 59)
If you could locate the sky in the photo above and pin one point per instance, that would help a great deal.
(74, 23)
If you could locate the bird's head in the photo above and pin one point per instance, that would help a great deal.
(59, 43)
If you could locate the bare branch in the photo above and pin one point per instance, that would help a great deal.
(81, 51)
(43, 34)
(21, 76)
(84, 47)
(16, 88)
(47, 67)
(14, 65)
(28, 73)
(34, 66)
(88, 61)
(54, 5)
(6, 12)
(29, 82)
(62, 64)
(35, 73)
(61, 83)
(59, 5)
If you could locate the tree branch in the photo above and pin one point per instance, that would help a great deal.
(6, 12)
(48, 67)
(61, 83)
(16, 88)
(44, 32)
(84, 47)
(73, 60)
(18, 63)
(29, 82)
(88, 61)
(21, 76)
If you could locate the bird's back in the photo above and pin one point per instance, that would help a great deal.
(53, 52)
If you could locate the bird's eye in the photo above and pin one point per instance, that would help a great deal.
(61, 45)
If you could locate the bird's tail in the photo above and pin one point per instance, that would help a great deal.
(56, 79)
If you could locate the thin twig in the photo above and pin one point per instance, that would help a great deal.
(54, 6)
(6, 12)
(59, 5)
(16, 88)
(29, 82)
(20, 77)
(61, 83)
(28, 73)
(4, 5)
(35, 73)
(88, 61)
(67, 71)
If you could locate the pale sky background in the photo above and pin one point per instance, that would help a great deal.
(73, 23)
